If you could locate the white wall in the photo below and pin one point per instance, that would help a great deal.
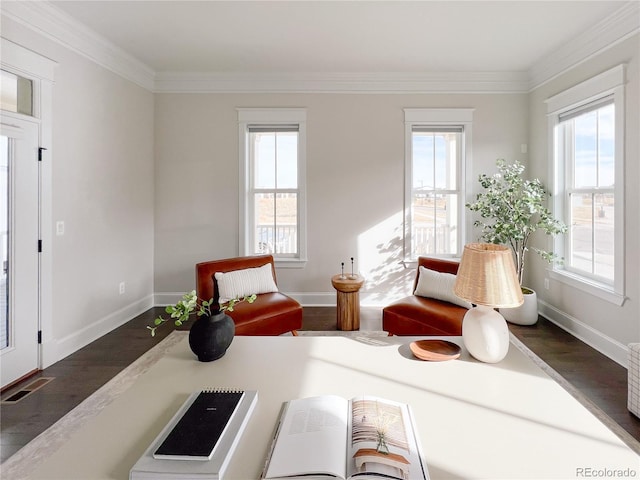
(355, 172)
(147, 186)
(102, 188)
(602, 324)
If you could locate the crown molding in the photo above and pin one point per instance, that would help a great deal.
(47, 20)
(610, 31)
(442, 82)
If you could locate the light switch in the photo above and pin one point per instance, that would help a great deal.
(60, 228)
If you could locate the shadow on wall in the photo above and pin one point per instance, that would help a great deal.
(381, 263)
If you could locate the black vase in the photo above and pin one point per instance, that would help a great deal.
(210, 336)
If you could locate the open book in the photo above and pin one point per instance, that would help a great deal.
(329, 436)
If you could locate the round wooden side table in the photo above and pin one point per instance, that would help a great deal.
(348, 300)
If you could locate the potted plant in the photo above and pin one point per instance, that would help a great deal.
(212, 332)
(511, 209)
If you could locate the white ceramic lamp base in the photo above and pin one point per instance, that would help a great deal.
(485, 334)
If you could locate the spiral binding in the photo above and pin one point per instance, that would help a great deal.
(222, 390)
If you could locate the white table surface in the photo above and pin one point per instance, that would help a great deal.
(496, 421)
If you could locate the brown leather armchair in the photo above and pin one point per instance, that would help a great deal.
(414, 315)
(270, 314)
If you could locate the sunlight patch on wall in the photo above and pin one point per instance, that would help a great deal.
(380, 256)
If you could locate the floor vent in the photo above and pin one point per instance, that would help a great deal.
(27, 390)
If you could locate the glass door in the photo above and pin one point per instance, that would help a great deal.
(4, 241)
(19, 211)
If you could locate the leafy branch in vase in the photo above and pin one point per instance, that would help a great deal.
(192, 305)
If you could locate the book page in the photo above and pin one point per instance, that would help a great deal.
(382, 441)
(312, 438)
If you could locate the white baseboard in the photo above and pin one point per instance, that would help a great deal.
(307, 299)
(328, 299)
(163, 299)
(613, 349)
(57, 349)
(314, 299)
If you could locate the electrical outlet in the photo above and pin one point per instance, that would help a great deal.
(121, 288)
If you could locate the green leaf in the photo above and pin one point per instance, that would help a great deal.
(511, 209)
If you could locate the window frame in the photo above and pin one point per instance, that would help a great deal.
(434, 118)
(271, 118)
(596, 89)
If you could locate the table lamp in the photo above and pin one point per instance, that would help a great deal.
(487, 278)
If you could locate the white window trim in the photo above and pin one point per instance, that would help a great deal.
(437, 117)
(273, 116)
(610, 82)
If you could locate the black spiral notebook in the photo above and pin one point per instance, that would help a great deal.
(179, 466)
(197, 432)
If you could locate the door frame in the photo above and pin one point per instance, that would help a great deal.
(40, 70)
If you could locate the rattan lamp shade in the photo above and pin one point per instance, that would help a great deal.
(487, 276)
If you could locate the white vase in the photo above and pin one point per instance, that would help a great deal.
(525, 314)
(485, 334)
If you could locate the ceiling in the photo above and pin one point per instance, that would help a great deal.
(265, 37)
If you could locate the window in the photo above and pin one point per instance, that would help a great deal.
(273, 198)
(587, 136)
(587, 141)
(435, 159)
(16, 93)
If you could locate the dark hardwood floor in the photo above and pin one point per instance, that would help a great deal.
(76, 377)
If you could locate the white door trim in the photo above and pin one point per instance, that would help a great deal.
(40, 70)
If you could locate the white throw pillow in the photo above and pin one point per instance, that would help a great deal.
(438, 285)
(238, 283)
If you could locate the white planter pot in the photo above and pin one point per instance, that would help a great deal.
(525, 314)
